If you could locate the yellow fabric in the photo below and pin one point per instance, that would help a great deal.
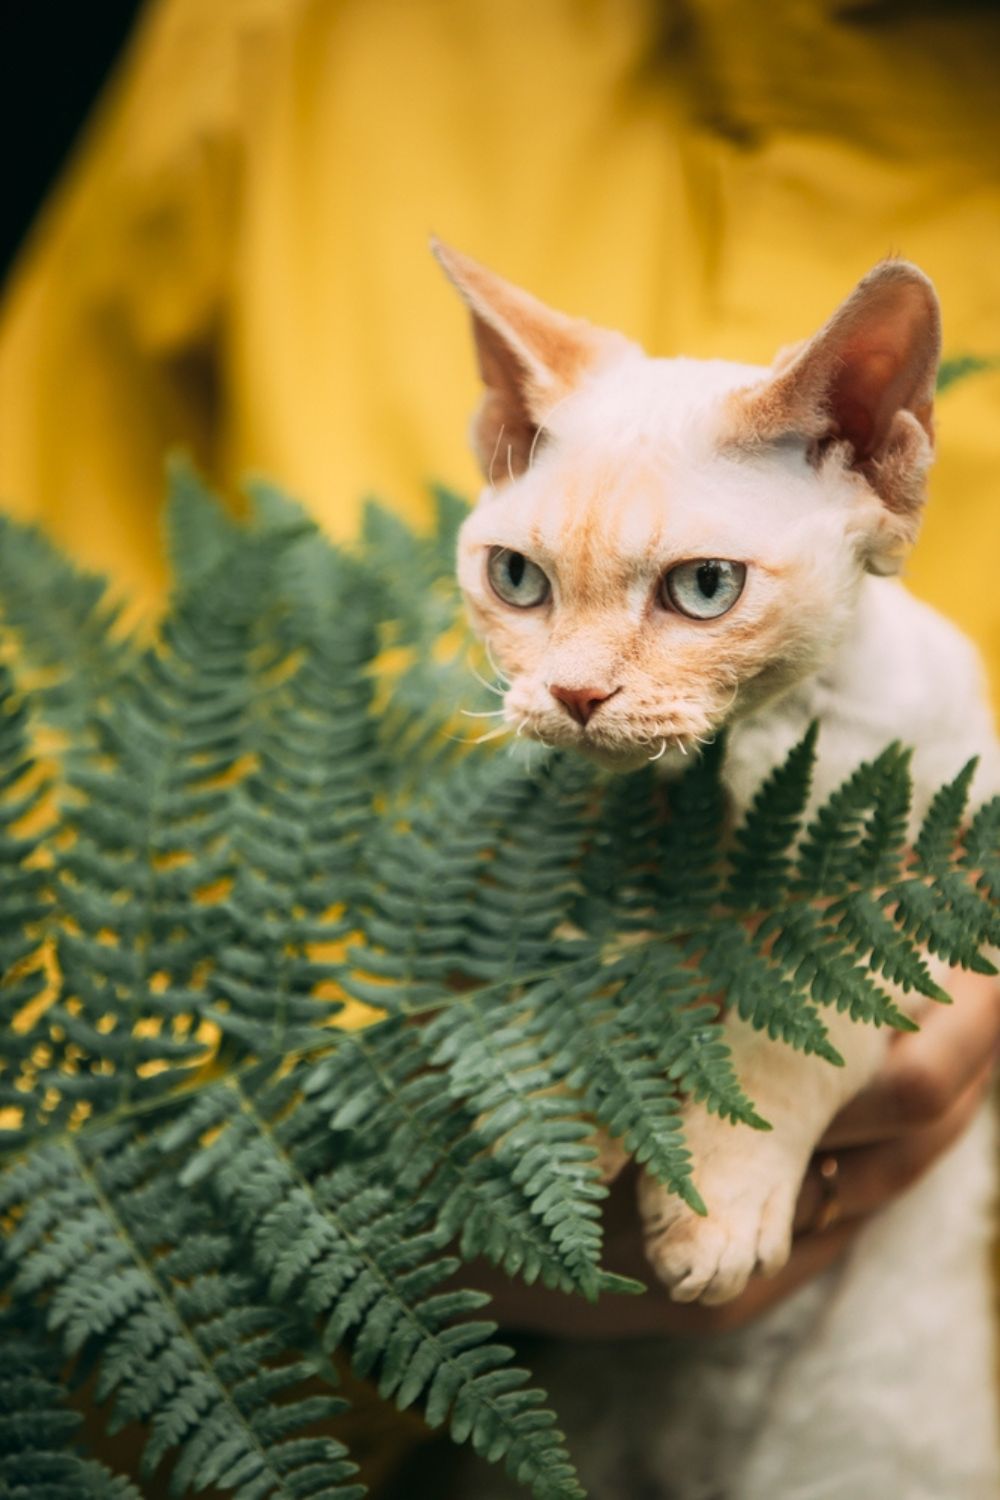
(238, 261)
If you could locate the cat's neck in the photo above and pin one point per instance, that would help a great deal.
(900, 672)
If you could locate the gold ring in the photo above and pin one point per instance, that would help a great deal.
(830, 1208)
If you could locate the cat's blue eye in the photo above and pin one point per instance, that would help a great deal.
(515, 579)
(705, 588)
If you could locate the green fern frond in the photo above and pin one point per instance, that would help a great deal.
(134, 1268)
(382, 1081)
(689, 870)
(837, 845)
(761, 993)
(151, 825)
(297, 825)
(534, 1128)
(870, 935)
(38, 1431)
(71, 647)
(476, 876)
(372, 1269)
(762, 857)
(207, 1185)
(939, 831)
(25, 907)
(200, 532)
(619, 1065)
(814, 949)
(981, 854)
(960, 366)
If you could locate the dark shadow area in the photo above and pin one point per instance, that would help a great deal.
(54, 57)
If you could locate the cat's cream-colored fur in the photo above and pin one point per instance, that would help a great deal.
(607, 468)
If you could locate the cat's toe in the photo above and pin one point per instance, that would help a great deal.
(718, 1271)
(736, 1264)
(686, 1257)
(774, 1238)
(711, 1259)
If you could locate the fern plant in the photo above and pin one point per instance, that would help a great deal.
(306, 1008)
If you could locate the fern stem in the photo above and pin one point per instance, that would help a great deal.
(173, 1315)
(425, 1331)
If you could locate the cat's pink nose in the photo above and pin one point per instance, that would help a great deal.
(580, 703)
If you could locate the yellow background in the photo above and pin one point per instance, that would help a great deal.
(237, 259)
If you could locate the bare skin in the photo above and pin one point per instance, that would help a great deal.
(926, 1093)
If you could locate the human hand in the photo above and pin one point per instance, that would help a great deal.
(919, 1103)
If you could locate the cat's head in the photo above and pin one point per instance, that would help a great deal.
(664, 543)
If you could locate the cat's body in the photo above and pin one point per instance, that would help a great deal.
(875, 1382)
(666, 547)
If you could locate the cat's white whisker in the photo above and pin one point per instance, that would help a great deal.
(534, 445)
(493, 734)
(482, 739)
(501, 676)
(496, 450)
(491, 687)
(729, 706)
(524, 749)
(543, 427)
(485, 713)
(661, 752)
(510, 463)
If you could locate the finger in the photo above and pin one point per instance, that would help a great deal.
(811, 1256)
(870, 1176)
(925, 1072)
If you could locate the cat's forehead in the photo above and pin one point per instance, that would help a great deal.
(638, 469)
(671, 404)
(577, 505)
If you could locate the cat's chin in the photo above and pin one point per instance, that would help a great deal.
(669, 753)
(620, 759)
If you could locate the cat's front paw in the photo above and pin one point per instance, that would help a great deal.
(748, 1228)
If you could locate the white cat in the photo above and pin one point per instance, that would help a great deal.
(664, 547)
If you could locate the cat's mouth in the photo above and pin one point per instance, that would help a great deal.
(669, 752)
(612, 749)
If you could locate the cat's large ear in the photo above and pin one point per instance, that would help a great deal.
(530, 357)
(866, 380)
